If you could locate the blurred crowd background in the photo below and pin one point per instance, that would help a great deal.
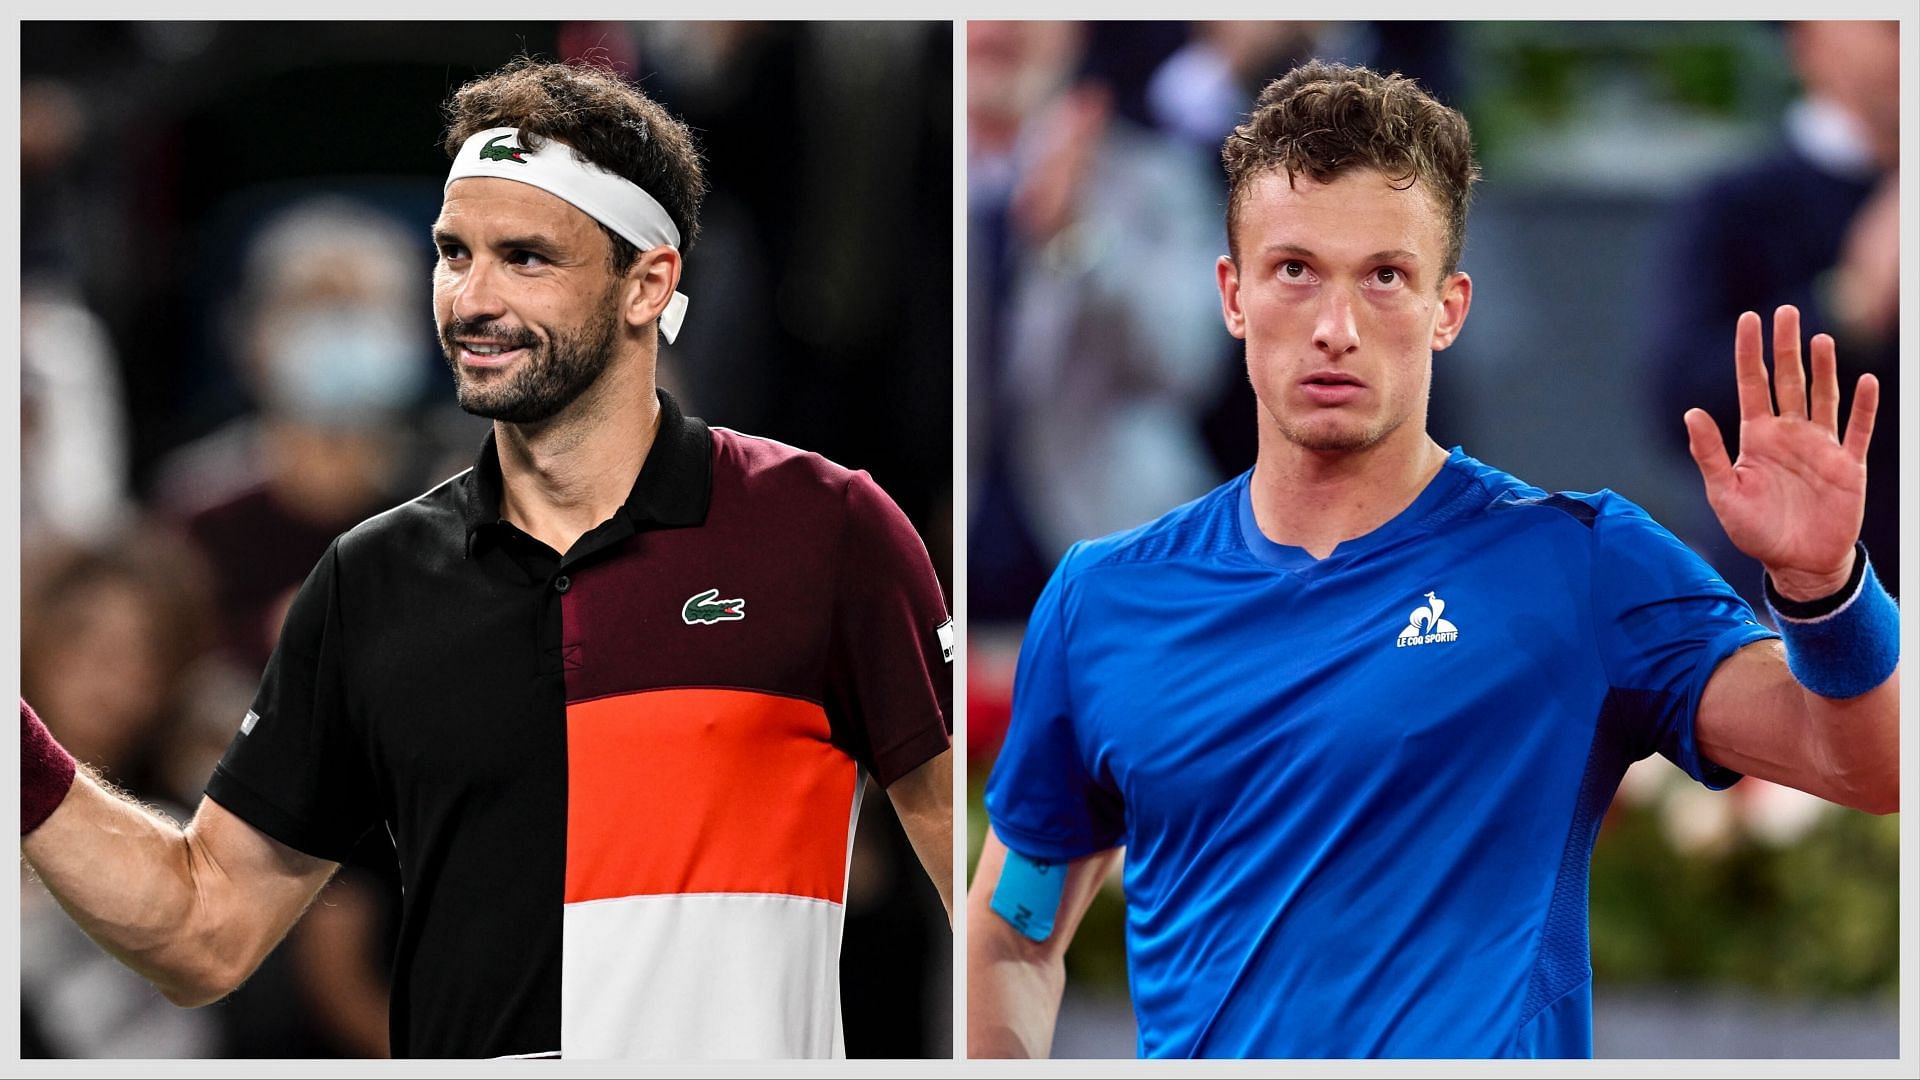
(228, 358)
(1644, 184)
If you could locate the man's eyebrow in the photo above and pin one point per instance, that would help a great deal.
(1288, 249)
(1389, 255)
(530, 242)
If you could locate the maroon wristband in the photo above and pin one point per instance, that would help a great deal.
(46, 771)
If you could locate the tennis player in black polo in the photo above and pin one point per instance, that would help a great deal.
(612, 691)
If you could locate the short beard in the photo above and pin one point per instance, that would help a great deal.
(1333, 439)
(552, 376)
(1338, 441)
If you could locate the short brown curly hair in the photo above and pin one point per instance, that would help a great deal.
(1326, 119)
(607, 121)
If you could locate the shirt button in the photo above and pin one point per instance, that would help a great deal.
(562, 584)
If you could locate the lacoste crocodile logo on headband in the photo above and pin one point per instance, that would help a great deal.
(707, 608)
(491, 152)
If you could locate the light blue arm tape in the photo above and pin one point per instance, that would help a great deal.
(1028, 894)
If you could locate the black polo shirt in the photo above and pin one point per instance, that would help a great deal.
(622, 781)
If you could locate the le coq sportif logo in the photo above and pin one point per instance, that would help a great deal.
(1425, 626)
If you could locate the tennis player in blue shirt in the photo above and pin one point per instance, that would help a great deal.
(1354, 717)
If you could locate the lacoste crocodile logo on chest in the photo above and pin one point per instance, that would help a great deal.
(707, 608)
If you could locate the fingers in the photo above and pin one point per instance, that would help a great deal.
(1825, 391)
(1749, 371)
(1789, 378)
(1866, 402)
(1709, 450)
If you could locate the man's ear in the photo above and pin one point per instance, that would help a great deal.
(1456, 296)
(649, 284)
(1227, 275)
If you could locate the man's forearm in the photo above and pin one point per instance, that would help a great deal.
(923, 800)
(1756, 718)
(130, 879)
(1014, 983)
(1013, 993)
(1857, 741)
(934, 846)
(1841, 634)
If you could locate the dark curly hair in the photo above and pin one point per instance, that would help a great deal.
(1326, 119)
(608, 122)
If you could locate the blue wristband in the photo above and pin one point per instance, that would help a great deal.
(1844, 645)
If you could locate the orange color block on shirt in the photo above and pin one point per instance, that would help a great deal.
(705, 791)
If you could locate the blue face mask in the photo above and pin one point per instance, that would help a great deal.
(344, 367)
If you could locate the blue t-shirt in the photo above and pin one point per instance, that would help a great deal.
(1359, 794)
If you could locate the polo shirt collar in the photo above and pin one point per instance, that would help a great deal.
(672, 490)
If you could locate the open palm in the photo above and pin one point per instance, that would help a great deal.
(1795, 498)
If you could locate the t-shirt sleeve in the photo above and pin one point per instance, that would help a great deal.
(891, 679)
(1665, 621)
(297, 770)
(1042, 798)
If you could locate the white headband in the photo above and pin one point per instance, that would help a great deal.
(613, 201)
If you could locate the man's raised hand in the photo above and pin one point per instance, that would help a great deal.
(1795, 499)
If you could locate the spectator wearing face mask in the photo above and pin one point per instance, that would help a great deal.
(329, 334)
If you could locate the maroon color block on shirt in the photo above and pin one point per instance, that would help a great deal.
(837, 604)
